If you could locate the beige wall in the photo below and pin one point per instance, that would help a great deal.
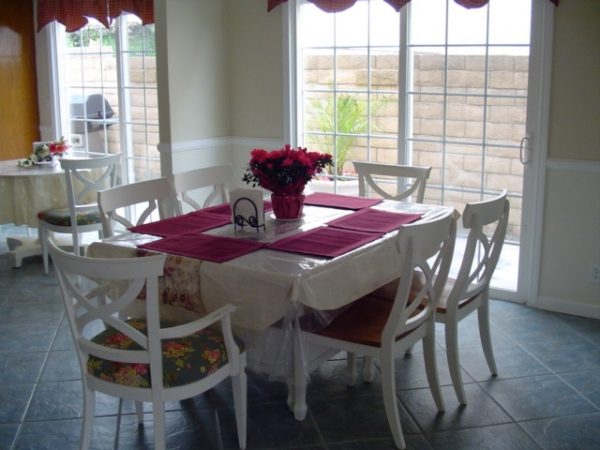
(198, 74)
(574, 112)
(256, 69)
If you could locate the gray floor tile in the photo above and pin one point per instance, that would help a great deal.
(61, 366)
(7, 434)
(566, 433)
(21, 368)
(511, 362)
(13, 401)
(356, 417)
(505, 437)
(587, 383)
(537, 397)
(480, 411)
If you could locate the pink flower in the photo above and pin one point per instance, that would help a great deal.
(286, 170)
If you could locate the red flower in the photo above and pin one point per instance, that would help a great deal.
(285, 171)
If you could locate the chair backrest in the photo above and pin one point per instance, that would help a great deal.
(487, 222)
(97, 293)
(85, 177)
(406, 180)
(153, 194)
(426, 248)
(215, 177)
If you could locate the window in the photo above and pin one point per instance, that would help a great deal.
(434, 85)
(109, 92)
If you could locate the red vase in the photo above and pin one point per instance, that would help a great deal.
(287, 206)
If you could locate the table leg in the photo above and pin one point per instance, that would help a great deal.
(300, 378)
(22, 246)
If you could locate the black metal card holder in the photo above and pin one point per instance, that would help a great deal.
(241, 220)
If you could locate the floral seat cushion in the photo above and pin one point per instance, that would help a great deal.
(185, 360)
(62, 218)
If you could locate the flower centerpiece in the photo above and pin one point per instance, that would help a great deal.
(285, 173)
(47, 152)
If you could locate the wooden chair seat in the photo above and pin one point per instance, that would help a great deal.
(362, 322)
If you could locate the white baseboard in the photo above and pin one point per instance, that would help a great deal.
(568, 307)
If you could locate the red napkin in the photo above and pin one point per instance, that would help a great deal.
(340, 201)
(225, 208)
(204, 246)
(374, 220)
(194, 221)
(324, 241)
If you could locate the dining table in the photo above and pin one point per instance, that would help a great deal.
(291, 276)
(25, 190)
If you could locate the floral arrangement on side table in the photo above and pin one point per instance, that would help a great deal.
(46, 152)
(285, 173)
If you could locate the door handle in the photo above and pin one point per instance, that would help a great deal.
(524, 150)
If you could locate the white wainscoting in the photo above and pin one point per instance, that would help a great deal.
(571, 238)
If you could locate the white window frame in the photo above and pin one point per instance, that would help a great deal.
(537, 127)
(60, 126)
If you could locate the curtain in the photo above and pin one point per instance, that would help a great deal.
(74, 14)
(341, 5)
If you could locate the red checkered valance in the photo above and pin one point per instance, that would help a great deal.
(341, 5)
(74, 14)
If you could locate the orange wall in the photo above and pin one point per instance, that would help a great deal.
(18, 87)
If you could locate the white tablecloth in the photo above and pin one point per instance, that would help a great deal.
(26, 190)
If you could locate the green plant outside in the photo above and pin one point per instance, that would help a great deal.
(351, 121)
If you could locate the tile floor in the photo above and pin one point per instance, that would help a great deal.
(547, 393)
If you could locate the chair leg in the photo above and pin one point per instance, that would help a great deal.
(139, 411)
(76, 241)
(240, 401)
(388, 383)
(431, 368)
(483, 316)
(453, 360)
(87, 425)
(43, 238)
(158, 413)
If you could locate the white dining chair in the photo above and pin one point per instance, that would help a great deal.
(487, 222)
(151, 195)
(188, 186)
(381, 329)
(391, 181)
(144, 360)
(84, 177)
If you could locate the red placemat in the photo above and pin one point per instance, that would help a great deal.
(204, 246)
(324, 241)
(194, 221)
(374, 220)
(225, 208)
(340, 201)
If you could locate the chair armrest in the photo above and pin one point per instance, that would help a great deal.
(223, 313)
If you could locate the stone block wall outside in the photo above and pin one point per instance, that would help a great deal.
(465, 120)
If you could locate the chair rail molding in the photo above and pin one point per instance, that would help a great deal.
(573, 165)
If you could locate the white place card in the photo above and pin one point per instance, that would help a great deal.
(247, 207)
